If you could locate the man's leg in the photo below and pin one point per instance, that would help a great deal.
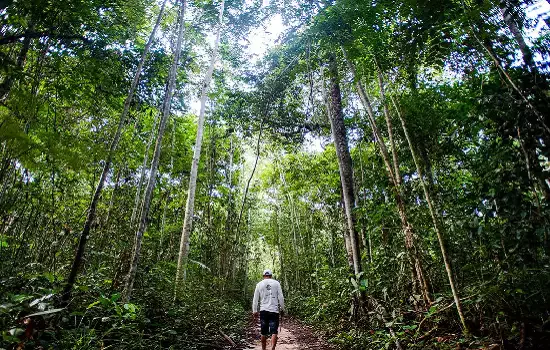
(264, 342)
(274, 328)
(264, 328)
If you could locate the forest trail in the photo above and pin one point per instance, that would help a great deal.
(293, 335)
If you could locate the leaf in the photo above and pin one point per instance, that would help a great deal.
(6, 307)
(50, 277)
(53, 311)
(200, 264)
(104, 301)
(93, 304)
(19, 298)
(16, 332)
(36, 301)
(130, 307)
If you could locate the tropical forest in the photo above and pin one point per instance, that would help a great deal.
(387, 160)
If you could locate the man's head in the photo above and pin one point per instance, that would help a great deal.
(268, 274)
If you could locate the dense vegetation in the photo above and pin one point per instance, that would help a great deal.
(388, 159)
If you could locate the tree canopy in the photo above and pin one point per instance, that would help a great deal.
(387, 159)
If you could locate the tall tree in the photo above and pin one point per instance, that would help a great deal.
(419, 274)
(339, 135)
(190, 204)
(435, 220)
(510, 11)
(166, 108)
(77, 261)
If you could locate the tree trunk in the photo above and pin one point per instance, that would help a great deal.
(77, 261)
(156, 157)
(137, 199)
(6, 85)
(388, 125)
(499, 66)
(162, 251)
(436, 221)
(526, 52)
(410, 245)
(344, 159)
(112, 200)
(342, 212)
(282, 272)
(190, 204)
(258, 143)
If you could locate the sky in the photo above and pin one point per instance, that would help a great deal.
(259, 41)
(263, 38)
(541, 7)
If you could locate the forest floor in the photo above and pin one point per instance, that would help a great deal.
(293, 335)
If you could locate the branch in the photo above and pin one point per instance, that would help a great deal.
(36, 35)
(251, 175)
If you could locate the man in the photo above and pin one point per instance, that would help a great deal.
(270, 297)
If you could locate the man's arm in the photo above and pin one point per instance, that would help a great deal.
(256, 300)
(281, 298)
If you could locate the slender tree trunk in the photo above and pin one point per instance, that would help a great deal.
(6, 85)
(388, 125)
(526, 52)
(112, 200)
(162, 251)
(190, 204)
(156, 157)
(229, 170)
(258, 143)
(347, 240)
(363, 236)
(344, 159)
(281, 260)
(410, 245)
(436, 221)
(77, 261)
(137, 199)
(342, 212)
(499, 66)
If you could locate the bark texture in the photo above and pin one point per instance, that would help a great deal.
(389, 125)
(344, 160)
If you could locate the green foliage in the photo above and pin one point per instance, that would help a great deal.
(452, 70)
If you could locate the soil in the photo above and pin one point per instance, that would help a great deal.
(293, 335)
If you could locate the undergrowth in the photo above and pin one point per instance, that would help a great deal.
(97, 318)
(509, 312)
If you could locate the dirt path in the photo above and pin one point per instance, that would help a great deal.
(293, 336)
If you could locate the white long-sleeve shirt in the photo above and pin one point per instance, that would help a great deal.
(269, 295)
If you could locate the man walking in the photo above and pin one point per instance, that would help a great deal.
(270, 297)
